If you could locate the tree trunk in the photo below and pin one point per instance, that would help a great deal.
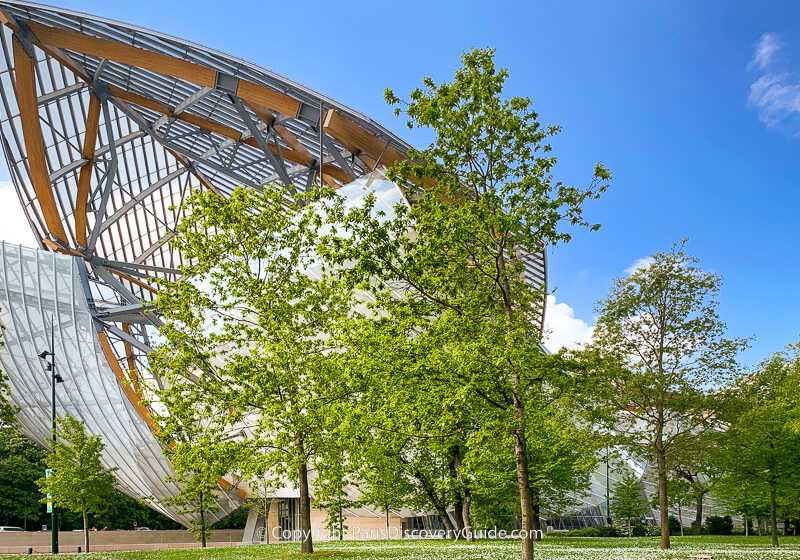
(630, 533)
(466, 497)
(85, 531)
(467, 521)
(202, 522)
(698, 516)
(307, 546)
(523, 483)
(680, 518)
(773, 520)
(458, 515)
(663, 498)
(458, 502)
(537, 524)
(427, 487)
(746, 526)
(267, 508)
(388, 534)
(758, 526)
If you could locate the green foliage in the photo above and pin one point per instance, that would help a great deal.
(249, 340)
(21, 465)
(674, 525)
(123, 511)
(716, 525)
(758, 458)
(78, 482)
(664, 359)
(627, 500)
(197, 498)
(234, 520)
(451, 302)
(639, 531)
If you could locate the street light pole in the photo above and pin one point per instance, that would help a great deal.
(608, 492)
(54, 378)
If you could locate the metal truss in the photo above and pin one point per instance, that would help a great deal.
(107, 129)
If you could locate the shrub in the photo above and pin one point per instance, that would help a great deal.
(716, 525)
(608, 531)
(586, 532)
(674, 526)
(559, 534)
(639, 531)
(653, 530)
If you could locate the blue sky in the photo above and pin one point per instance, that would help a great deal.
(694, 106)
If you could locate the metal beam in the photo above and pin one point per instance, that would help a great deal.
(145, 126)
(343, 163)
(277, 164)
(154, 247)
(132, 268)
(113, 312)
(192, 99)
(69, 168)
(111, 172)
(133, 341)
(58, 94)
(139, 198)
(120, 142)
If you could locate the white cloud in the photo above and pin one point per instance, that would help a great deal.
(765, 51)
(639, 263)
(564, 330)
(14, 226)
(776, 93)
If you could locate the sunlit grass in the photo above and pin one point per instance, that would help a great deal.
(644, 548)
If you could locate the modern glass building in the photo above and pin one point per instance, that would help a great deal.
(106, 129)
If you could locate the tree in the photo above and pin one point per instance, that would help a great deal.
(78, 481)
(248, 334)
(760, 447)
(679, 493)
(666, 359)
(21, 465)
(692, 462)
(198, 498)
(627, 501)
(457, 287)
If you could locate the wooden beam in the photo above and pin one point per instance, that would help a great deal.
(125, 54)
(28, 103)
(161, 63)
(368, 147)
(133, 280)
(290, 139)
(132, 395)
(85, 177)
(197, 121)
(57, 248)
(357, 139)
(269, 98)
(222, 130)
(132, 371)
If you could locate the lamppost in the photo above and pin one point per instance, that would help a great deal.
(608, 492)
(55, 378)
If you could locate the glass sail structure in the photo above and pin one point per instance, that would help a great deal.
(106, 129)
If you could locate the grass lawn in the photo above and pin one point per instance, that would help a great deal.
(574, 548)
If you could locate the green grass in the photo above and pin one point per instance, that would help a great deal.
(572, 548)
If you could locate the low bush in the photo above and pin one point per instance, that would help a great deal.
(639, 531)
(608, 531)
(716, 525)
(586, 532)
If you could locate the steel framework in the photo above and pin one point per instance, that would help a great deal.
(107, 128)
